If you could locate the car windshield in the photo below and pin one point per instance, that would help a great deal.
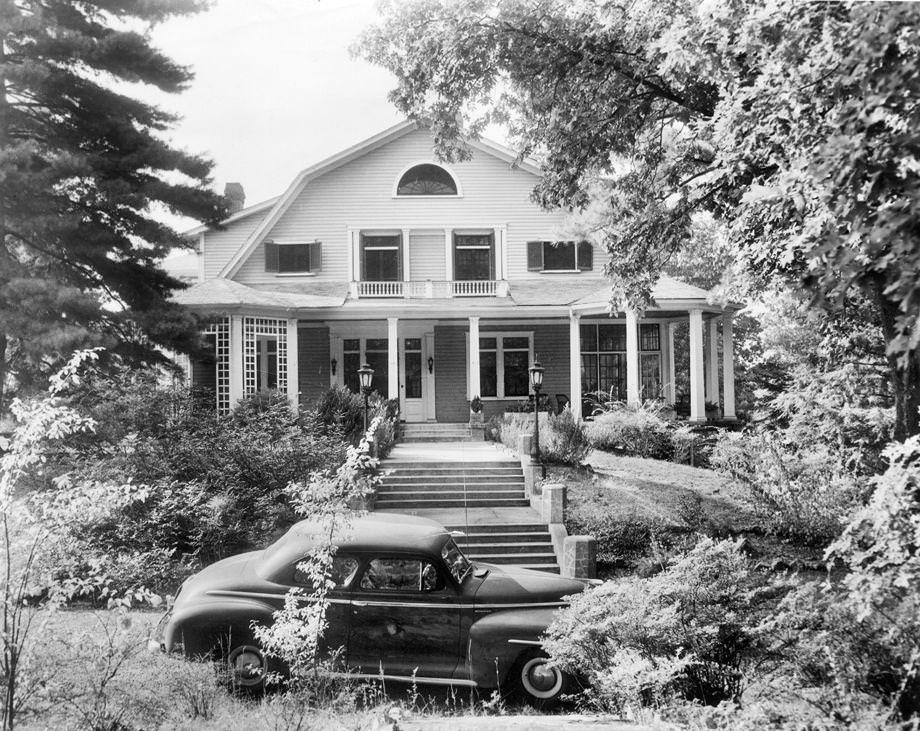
(457, 563)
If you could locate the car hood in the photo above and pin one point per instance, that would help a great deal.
(512, 585)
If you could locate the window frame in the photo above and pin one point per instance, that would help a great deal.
(447, 583)
(596, 353)
(577, 248)
(381, 233)
(491, 248)
(500, 361)
(314, 256)
(448, 196)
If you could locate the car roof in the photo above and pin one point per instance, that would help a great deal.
(371, 532)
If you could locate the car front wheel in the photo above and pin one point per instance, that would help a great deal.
(539, 682)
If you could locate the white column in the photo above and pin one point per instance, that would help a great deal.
(473, 380)
(236, 359)
(712, 364)
(407, 277)
(672, 372)
(728, 368)
(575, 365)
(697, 382)
(392, 358)
(293, 371)
(632, 358)
(448, 254)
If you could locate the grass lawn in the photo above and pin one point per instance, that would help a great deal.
(627, 502)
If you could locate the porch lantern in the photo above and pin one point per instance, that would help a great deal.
(536, 381)
(365, 377)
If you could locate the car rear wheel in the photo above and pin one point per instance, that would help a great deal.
(539, 682)
(246, 668)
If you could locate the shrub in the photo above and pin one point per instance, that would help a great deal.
(562, 440)
(690, 631)
(694, 445)
(639, 432)
(621, 541)
(343, 409)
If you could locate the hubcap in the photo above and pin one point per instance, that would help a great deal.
(247, 665)
(540, 679)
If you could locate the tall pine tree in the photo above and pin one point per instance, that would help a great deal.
(82, 168)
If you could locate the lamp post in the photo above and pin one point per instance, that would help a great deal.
(365, 376)
(536, 380)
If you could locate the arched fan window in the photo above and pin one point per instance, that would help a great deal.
(426, 179)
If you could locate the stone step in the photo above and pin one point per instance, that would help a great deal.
(491, 549)
(418, 475)
(482, 529)
(450, 503)
(411, 466)
(512, 537)
(433, 439)
(452, 495)
(531, 559)
(448, 486)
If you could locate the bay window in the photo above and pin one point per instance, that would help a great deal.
(603, 360)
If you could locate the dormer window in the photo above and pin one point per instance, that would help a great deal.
(426, 179)
(293, 258)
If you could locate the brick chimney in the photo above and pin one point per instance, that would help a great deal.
(235, 197)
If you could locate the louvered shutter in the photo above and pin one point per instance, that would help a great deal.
(316, 256)
(585, 256)
(271, 256)
(534, 256)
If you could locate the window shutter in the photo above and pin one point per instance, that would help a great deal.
(585, 256)
(271, 256)
(316, 256)
(534, 256)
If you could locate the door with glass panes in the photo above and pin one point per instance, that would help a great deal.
(417, 372)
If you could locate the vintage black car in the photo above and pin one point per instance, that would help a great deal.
(407, 605)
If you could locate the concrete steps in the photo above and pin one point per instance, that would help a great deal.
(528, 546)
(436, 432)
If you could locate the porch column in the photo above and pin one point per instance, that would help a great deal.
(728, 368)
(293, 370)
(236, 359)
(632, 358)
(407, 274)
(448, 254)
(672, 373)
(712, 363)
(392, 358)
(697, 384)
(473, 380)
(575, 365)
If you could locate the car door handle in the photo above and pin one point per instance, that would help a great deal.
(358, 603)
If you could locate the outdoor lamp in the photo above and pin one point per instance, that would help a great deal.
(536, 380)
(365, 376)
(334, 363)
(430, 364)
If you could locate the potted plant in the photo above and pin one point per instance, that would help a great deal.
(476, 411)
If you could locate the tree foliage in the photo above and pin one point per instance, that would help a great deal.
(85, 167)
(793, 123)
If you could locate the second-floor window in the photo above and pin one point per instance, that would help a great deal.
(381, 257)
(474, 255)
(303, 258)
(559, 256)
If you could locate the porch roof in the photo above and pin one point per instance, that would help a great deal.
(227, 293)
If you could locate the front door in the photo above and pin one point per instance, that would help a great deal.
(414, 381)
(405, 619)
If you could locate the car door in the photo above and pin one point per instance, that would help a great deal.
(405, 618)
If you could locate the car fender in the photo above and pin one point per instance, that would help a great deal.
(498, 640)
(199, 628)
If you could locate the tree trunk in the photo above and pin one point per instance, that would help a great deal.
(3, 344)
(904, 370)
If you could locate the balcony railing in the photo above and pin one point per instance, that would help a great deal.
(429, 289)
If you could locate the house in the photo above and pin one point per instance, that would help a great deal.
(381, 254)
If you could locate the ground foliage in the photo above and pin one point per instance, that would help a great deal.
(86, 173)
(793, 123)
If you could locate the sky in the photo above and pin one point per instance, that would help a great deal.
(275, 87)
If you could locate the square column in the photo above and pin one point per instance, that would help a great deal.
(671, 390)
(407, 274)
(728, 368)
(575, 365)
(473, 380)
(293, 370)
(632, 358)
(236, 359)
(712, 363)
(697, 382)
(392, 358)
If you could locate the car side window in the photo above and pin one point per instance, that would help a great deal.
(342, 569)
(401, 574)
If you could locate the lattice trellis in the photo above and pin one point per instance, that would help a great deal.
(253, 328)
(221, 332)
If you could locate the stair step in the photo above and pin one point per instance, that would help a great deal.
(448, 486)
(475, 540)
(476, 530)
(452, 495)
(419, 504)
(490, 549)
(532, 559)
(440, 466)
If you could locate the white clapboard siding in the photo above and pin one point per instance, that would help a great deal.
(426, 255)
(220, 246)
(360, 195)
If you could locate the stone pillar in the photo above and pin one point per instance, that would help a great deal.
(393, 358)
(672, 371)
(697, 382)
(575, 365)
(632, 358)
(579, 557)
(474, 358)
(293, 369)
(553, 503)
(712, 364)
(728, 368)
(237, 361)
